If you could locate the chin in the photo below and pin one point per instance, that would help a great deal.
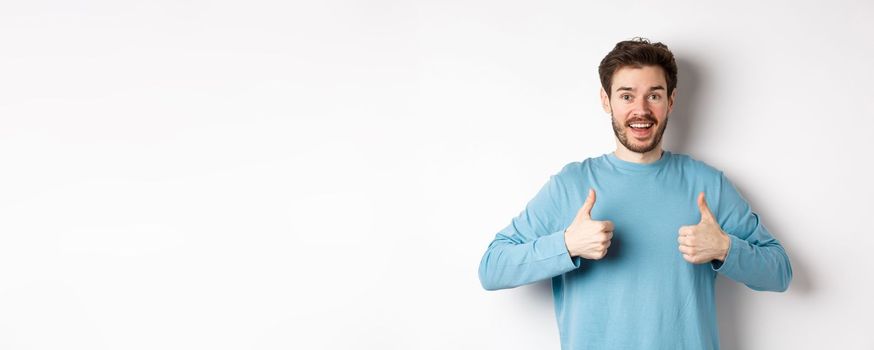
(643, 148)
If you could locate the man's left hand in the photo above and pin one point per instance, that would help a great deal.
(705, 241)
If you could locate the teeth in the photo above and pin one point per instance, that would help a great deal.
(640, 125)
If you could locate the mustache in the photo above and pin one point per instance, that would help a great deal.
(640, 119)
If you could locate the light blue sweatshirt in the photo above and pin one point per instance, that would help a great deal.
(642, 294)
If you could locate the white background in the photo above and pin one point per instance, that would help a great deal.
(327, 174)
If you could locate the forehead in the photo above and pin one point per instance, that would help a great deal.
(638, 77)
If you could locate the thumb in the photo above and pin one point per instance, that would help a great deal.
(585, 212)
(706, 214)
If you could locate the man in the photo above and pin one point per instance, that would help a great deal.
(633, 240)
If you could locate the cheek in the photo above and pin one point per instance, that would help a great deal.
(660, 112)
(620, 110)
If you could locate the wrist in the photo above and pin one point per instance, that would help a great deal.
(726, 246)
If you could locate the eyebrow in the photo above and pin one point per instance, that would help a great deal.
(653, 88)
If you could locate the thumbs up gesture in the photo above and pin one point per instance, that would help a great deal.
(705, 241)
(586, 237)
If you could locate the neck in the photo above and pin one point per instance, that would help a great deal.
(634, 157)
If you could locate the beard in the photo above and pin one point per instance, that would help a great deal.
(622, 134)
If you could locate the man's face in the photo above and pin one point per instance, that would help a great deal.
(639, 106)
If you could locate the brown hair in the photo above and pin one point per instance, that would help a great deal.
(638, 52)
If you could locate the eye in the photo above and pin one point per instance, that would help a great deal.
(625, 97)
(654, 97)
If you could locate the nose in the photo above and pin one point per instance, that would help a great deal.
(641, 107)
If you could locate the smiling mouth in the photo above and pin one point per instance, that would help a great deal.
(640, 125)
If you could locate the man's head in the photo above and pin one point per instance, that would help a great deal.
(638, 81)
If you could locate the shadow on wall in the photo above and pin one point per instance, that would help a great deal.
(686, 109)
(729, 293)
(681, 126)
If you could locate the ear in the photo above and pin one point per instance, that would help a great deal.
(605, 101)
(671, 100)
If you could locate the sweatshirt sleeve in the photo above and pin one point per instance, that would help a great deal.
(755, 258)
(532, 246)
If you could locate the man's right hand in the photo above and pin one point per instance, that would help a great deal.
(586, 237)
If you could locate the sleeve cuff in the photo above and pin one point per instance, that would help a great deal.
(555, 246)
